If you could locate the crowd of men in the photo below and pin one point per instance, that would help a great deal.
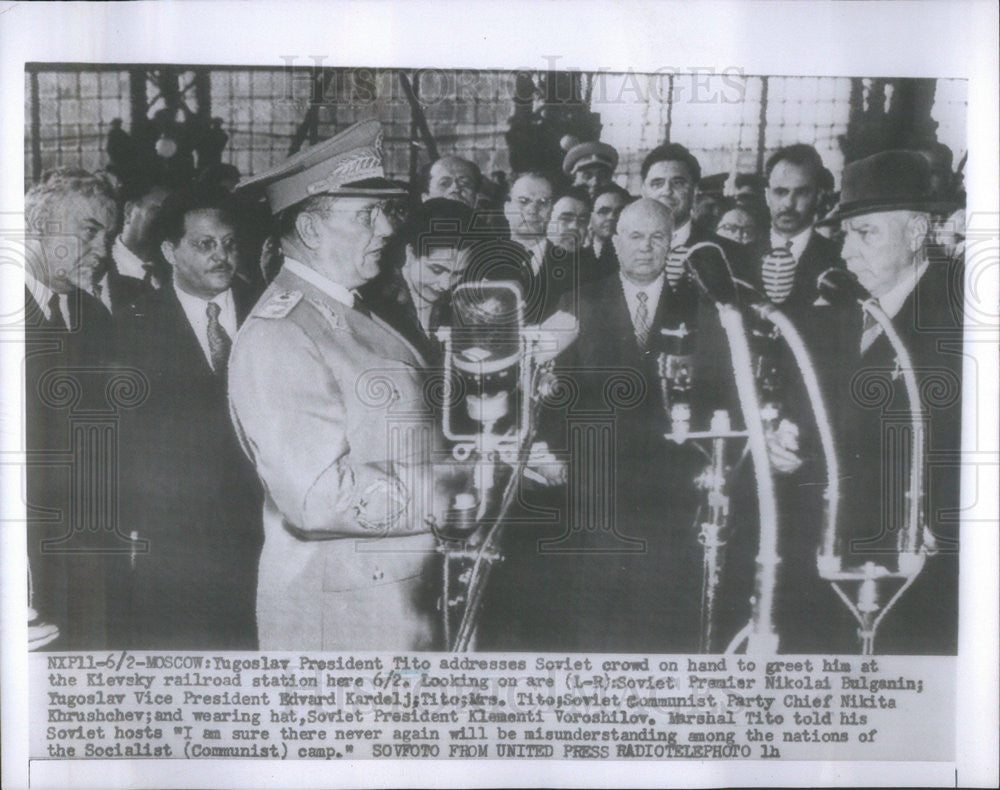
(277, 472)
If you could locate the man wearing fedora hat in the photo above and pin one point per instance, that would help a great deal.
(327, 402)
(885, 215)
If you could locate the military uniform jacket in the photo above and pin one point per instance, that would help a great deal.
(328, 404)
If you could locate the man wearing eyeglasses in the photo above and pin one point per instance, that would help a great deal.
(328, 402)
(189, 499)
(524, 260)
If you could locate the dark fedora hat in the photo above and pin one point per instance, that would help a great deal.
(887, 181)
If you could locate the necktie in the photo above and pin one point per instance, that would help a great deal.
(55, 314)
(97, 291)
(778, 273)
(219, 342)
(642, 319)
(870, 330)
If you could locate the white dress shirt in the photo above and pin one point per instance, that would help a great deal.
(196, 310)
(892, 302)
(799, 242)
(104, 291)
(536, 248)
(127, 262)
(42, 295)
(681, 235)
(652, 291)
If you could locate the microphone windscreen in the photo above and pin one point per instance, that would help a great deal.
(839, 286)
(711, 273)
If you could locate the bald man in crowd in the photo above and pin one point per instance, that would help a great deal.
(454, 178)
(616, 575)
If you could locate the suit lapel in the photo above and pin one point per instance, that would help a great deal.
(617, 319)
(185, 341)
(244, 298)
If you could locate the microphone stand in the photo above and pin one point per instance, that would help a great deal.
(759, 635)
(474, 553)
(914, 544)
(797, 346)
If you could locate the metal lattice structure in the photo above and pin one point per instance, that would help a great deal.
(727, 120)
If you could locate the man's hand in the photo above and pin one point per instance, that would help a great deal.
(544, 468)
(450, 480)
(783, 447)
(556, 333)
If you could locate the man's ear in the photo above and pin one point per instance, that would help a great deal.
(168, 252)
(127, 211)
(917, 229)
(305, 226)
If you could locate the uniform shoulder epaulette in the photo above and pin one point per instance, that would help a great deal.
(279, 305)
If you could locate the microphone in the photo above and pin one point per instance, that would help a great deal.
(838, 286)
(710, 271)
(675, 366)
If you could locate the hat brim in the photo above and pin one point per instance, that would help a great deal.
(593, 163)
(371, 187)
(859, 208)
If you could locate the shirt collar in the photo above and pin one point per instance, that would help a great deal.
(653, 290)
(799, 241)
(196, 305)
(892, 301)
(40, 292)
(326, 285)
(681, 235)
(127, 262)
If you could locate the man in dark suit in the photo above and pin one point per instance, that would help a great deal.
(796, 254)
(608, 205)
(116, 291)
(670, 175)
(134, 254)
(566, 248)
(618, 574)
(415, 298)
(70, 216)
(783, 269)
(885, 212)
(523, 257)
(189, 490)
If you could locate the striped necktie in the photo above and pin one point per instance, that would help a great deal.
(219, 342)
(675, 265)
(642, 319)
(778, 273)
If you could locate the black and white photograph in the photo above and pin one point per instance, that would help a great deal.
(377, 406)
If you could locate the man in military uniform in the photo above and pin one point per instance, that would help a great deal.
(591, 165)
(327, 401)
